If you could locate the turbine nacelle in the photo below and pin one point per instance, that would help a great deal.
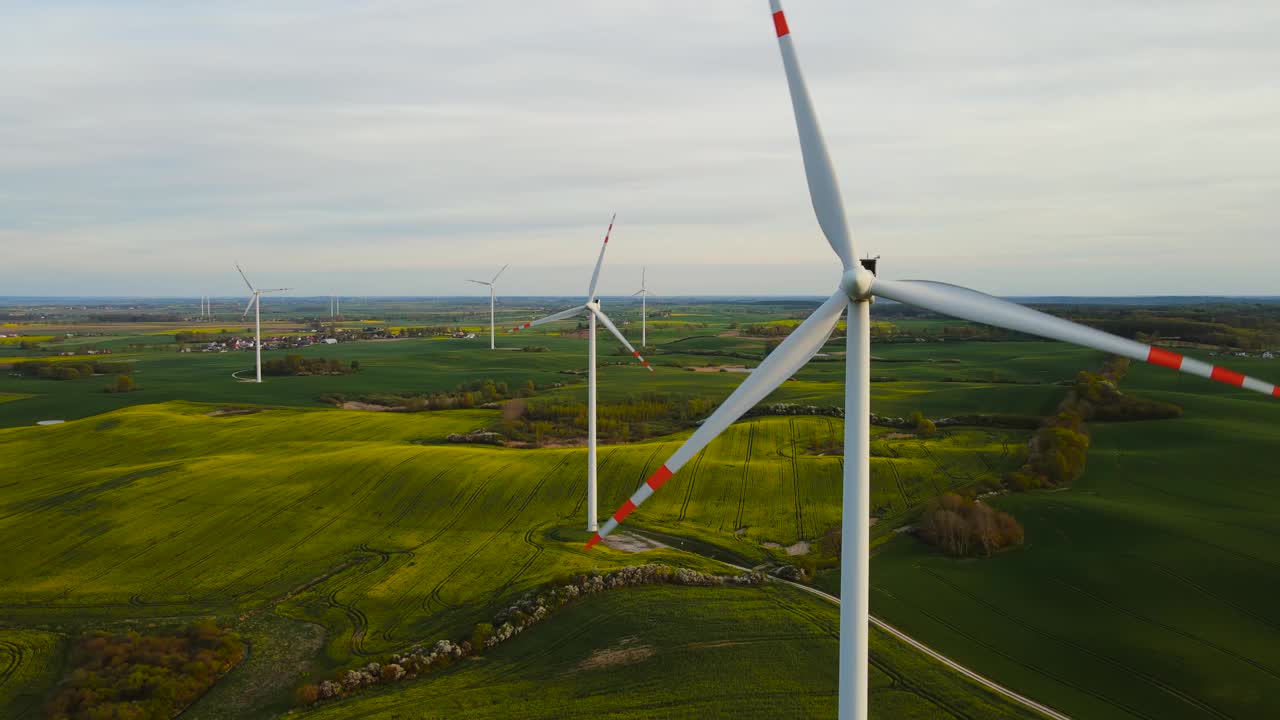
(856, 282)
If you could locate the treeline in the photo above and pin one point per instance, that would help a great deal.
(202, 337)
(299, 365)
(130, 676)
(467, 395)
(637, 417)
(1059, 450)
(1251, 332)
(770, 330)
(70, 369)
(963, 527)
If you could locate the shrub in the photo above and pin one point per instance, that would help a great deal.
(123, 384)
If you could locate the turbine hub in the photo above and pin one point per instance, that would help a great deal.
(856, 282)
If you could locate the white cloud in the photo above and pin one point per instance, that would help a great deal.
(1115, 147)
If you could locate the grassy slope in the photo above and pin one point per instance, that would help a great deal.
(1145, 589)
(716, 652)
(166, 511)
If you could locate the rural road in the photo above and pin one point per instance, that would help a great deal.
(983, 681)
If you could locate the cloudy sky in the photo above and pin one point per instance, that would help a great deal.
(384, 147)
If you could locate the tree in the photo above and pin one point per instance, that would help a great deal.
(924, 425)
(123, 384)
(307, 694)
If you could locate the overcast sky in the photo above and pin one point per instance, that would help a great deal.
(1088, 147)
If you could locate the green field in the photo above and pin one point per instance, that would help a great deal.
(333, 537)
(393, 536)
(30, 662)
(663, 652)
(1145, 589)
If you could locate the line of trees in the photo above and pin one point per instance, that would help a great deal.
(476, 393)
(1059, 450)
(636, 417)
(130, 676)
(69, 369)
(298, 365)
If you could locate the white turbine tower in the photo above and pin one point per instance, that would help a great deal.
(857, 287)
(493, 284)
(592, 308)
(255, 304)
(644, 294)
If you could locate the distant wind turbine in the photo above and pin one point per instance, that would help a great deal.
(255, 304)
(592, 307)
(644, 294)
(493, 288)
(858, 285)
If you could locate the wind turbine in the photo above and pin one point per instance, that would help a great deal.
(858, 285)
(644, 293)
(255, 304)
(592, 308)
(492, 289)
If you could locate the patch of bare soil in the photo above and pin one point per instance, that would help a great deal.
(731, 333)
(222, 412)
(626, 652)
(626, 542)
(800, 548)
(772, 545)
(895, 436)
(718, 368)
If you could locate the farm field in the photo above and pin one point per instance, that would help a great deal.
(935, 378)
(335, 537)
(30, 661)
(1144, 591)
(662, 652)
(395, 536)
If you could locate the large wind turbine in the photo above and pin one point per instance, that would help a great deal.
(493, 284)
(858, 285)
(255, 304)
(592, 308)
(644, 293)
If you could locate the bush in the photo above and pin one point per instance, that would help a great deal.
(130, 675)
(123, 384)
(480, 635)
(923, 425)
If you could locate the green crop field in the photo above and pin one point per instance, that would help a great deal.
(395, 537)
(661, 652)
(1145, 590)
(30, 661)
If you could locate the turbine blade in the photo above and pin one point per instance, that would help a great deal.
(801, 345)
(641, 290)
(595, 275)
(271, 290)
(252, 299)
(979, 307)
(563, 314)
(495, 277)
(613, 329)
(479, 282)
(246, 280)
(824, 190)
